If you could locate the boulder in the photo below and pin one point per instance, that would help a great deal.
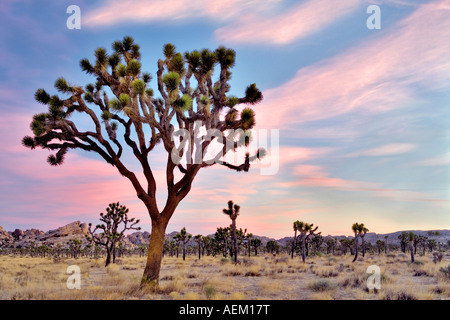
(18, 234)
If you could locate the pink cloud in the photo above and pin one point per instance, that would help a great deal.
(300, 21)
(111, 12)
(374, 77)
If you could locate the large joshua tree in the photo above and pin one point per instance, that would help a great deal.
(125, 114)
(233, 211)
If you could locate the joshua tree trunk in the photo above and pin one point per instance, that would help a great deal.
(113, 249)
(411, 250)
(294, 243)
(356, 247)
(363, 246)
(233, 224)
(108, 256)
(154, 257)
(303, 248)
(225, 251)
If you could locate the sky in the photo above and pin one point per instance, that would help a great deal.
(362, 115)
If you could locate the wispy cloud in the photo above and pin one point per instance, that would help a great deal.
(297, 22)
(441, 160)
(385, 150)
(316, 176)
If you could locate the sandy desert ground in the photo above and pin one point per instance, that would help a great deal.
(261, 277)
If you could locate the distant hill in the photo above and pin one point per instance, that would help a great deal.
(78, 230)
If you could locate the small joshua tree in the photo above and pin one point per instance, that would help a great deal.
(403, 237)
(255, 243)
(248, 239)
(380, 244)
(346, 244)
(331, 244)
(418, 241)
(199, 239)
(233, 211)
(116, 215)
(362, 234)
(75, 247)
(437, 257)
(358, 229)
(272, 246)
(316, 242)
(431, 244)
(221, 236)
(305, 230)
(183, 237)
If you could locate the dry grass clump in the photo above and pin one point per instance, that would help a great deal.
(322, 285)
(398, 294)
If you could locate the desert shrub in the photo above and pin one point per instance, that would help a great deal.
(325, 272)
(398, 295)
(192, 275)
(321, 285)
(445, 271)
(418, 262)
(354, 281)
(232, 272)
(437, 257)
(22, 278)
(330, 261)
(282, 260)
(247, 262)
(210, 291)
(253, 272)
(420, 273)
(224, 260)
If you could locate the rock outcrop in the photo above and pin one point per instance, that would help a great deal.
(34, 237)
(6, 239)
(139, 238)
